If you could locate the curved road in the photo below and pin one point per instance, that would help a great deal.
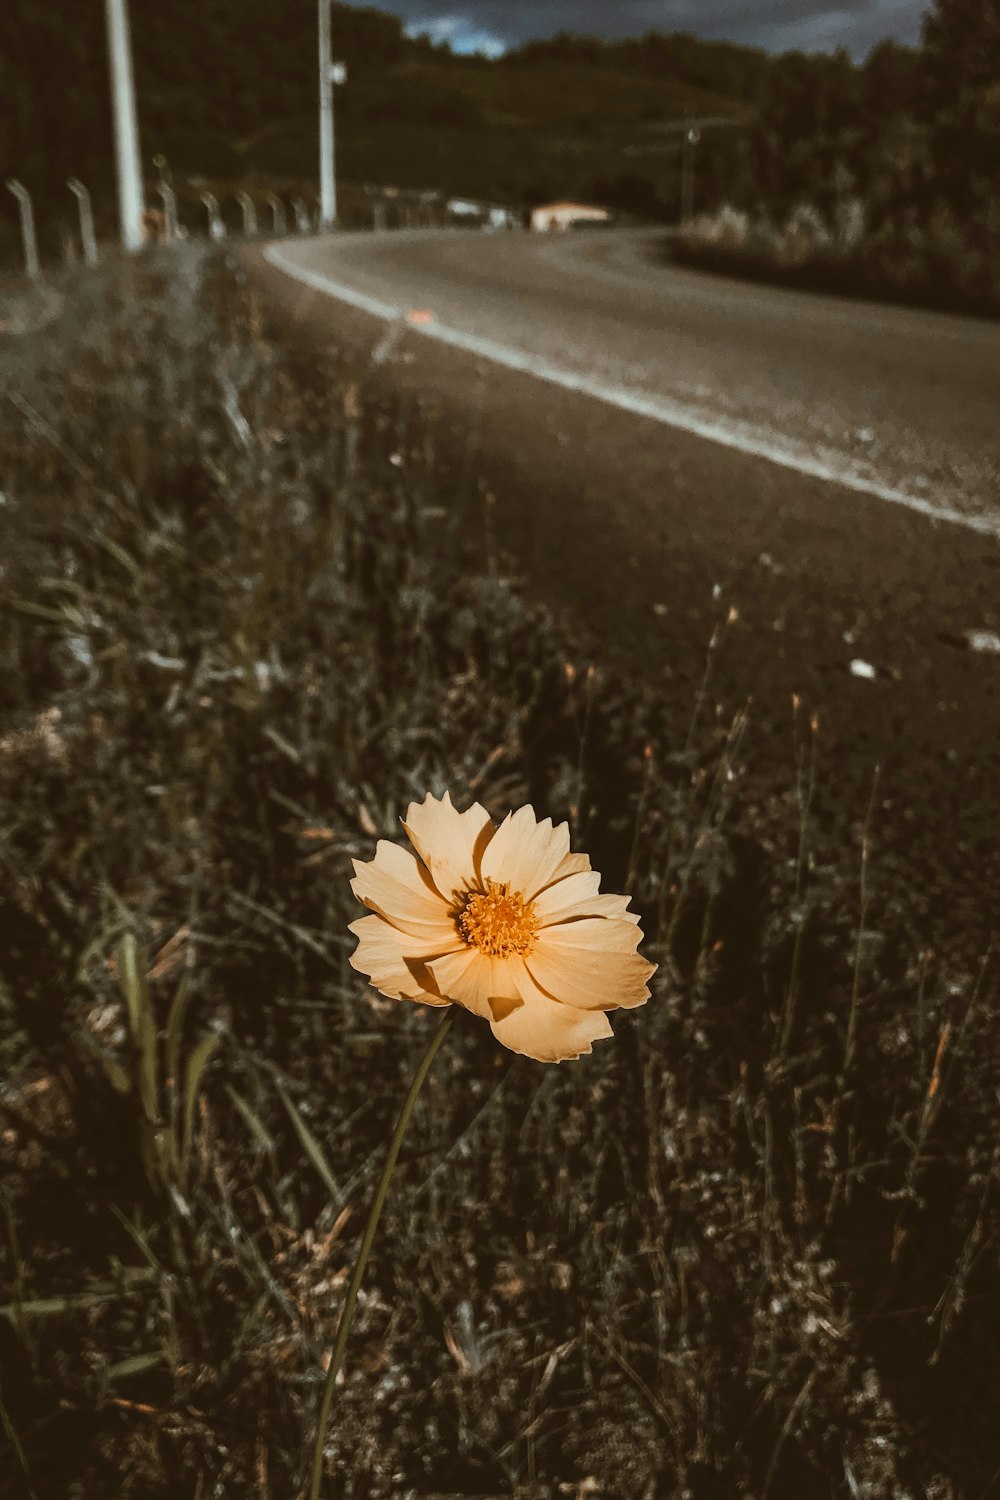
(650, 433)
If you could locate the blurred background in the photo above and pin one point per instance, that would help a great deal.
(887, 158)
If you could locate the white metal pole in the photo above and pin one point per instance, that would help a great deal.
(277, 213)
(327, 174)
(88, 239)
(216, 228)
(689, 143)
(130, 195)
(170, 213)
(249, 213)
(29, 240)
(168, 198)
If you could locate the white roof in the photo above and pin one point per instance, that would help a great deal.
(576, 208)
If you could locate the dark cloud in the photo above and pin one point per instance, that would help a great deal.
(776, 24)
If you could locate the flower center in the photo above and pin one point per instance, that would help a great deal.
(497, 922)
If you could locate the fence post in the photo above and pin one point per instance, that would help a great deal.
(29, 240)
(249, 213)
(88, 239)
(277, 213)
(216, 228)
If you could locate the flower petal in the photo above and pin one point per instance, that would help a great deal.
(526, 853)
(450, 843)
(593, 934)
(577, 895)
(572, 864)
(543, 1028)
(475, 980)
(607, 907)
(394, 962)
(590, 978)
(396, 886)
(611, 906)
(566, 894)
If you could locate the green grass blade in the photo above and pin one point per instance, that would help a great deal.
(130, 980)
(19, 1276)
(116, 1073)
(174, 1039)
(175, 1030)
(48, 1307)
(136, 1365)
(125, 559)
(196, 1065)
(142, 1022)
(15, 1442)
(140, 1241)
(258, 1129)
(311, 1146)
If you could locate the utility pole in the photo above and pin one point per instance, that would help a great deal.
(692, 135)
(330, 73)
(29, 240)
(327, 176)
(88, 239)
(130, 196)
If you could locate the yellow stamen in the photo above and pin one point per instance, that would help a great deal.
(497, 922)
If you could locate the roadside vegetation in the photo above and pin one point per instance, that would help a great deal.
(946, 263)
(748, 1247)
(881, 181)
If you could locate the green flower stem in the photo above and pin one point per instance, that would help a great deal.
(381, 1193)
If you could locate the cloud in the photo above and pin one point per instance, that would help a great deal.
(460, 32)
(778, 25)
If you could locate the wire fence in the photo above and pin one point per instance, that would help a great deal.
(39, 233)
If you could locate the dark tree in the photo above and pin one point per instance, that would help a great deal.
(962, 48)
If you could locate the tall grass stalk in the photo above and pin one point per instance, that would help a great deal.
(367, 1240)
(805, 786)
(852, 1021)
(14, 1440)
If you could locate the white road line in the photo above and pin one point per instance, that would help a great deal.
(669, 413)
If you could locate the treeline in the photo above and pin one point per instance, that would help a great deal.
(737, 72)
(906, 130)
(880, 178)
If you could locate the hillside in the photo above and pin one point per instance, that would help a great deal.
(227, 92)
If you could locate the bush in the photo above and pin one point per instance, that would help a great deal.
(946, 263)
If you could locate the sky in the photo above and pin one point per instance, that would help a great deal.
(779, 25)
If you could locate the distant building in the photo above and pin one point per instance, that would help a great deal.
(551, 218)
(470, 212)
(465, 208)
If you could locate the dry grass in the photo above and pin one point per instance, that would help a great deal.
(748, 1248)
(941, 262)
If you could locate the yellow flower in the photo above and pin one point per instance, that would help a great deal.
(503, 921)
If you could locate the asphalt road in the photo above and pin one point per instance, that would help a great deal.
(651, 434)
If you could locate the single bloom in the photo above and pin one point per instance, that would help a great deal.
(503, 921)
